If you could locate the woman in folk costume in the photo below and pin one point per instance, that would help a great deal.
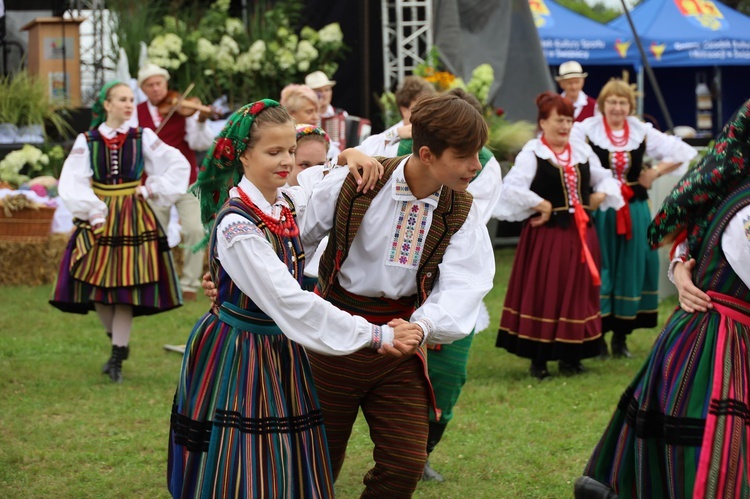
(630, 269)
(118, 261)
(246, 420)
(681, 427)
(551, 308)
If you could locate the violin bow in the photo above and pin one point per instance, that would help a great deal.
(175, 107)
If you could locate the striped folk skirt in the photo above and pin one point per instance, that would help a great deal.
(681, 427)
(630, 271)
(129, 263)
(551, 308)
(246, 421)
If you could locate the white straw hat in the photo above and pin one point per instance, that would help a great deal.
(570, 69)
(150, 69)
(318, 79)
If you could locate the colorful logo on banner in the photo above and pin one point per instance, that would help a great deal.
(542, 16)
(657, 49)
(622, 47)
(703, 13)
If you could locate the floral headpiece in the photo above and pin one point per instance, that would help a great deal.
(692, 204)
(98, 113)
(304, 130)
(221, 168)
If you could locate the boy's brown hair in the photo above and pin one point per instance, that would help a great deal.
(411, 88)
(463, 94)
(446, 121)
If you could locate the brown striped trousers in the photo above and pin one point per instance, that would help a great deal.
(393, 395)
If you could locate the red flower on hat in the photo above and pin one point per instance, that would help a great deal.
(499, 111)
(257, 107)
(224, 149)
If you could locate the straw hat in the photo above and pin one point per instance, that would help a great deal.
(150, 69)
(318, 79)
(570, 69)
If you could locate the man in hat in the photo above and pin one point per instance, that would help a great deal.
(332, 119)
(187, 134)
(571, 78)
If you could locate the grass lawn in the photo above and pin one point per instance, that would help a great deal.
(67, 431)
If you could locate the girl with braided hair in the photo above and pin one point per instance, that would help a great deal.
(246, 421)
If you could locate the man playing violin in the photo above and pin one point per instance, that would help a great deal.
(187, 134)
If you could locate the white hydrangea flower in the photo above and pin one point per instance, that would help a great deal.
(306, 52)
(303, 66)
(228, 44)
(331, 33)
(234, 26)
(44, 160)
(258, 50)
(285, 59)
(173, 43)
(205, 49)
(245, 62)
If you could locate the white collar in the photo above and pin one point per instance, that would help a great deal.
(257, 197)
(108, 132)
(580, 151)
(400, 189)
(330, 111)
(597, 135)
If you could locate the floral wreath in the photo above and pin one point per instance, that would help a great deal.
(304, 130)
(221, 168)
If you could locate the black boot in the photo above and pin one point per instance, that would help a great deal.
(108, 364)
(434, 435)
(620, 346)
(539, 370)
(115, 364)
(571, 368)
(603, 349)
(588, 488)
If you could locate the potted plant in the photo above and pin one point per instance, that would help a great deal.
(25, 108)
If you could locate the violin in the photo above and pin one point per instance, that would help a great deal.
(184, 106)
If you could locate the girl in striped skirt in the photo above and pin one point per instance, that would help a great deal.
(246, 420)
(118, 261)
(681, 427)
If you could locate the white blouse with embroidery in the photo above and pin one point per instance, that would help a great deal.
(168, 172)
(659, 145)
(252, 263)
(517, 200)
(385, 254)
(383, 144)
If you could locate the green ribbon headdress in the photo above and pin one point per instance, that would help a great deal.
(98, 113)
(692, 204)
(221, 168)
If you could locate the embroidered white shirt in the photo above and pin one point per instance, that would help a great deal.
(304, 317)
(378, 265)
(383, 144)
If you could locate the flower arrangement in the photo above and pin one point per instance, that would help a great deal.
(221, 57)
(505, 138)
(19, 167)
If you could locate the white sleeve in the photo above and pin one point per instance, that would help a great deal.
(374, 145)
(669, 148)
(321, 206)
(680, 255)
(486, 189)
(307, 179)
(451, 310)
(516, 197)
(735, 242)
(199, 136)
(603, 181)
(578, 132)
(74, 187)
(303, 317)
(168, 170)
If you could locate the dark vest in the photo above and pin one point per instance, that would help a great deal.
(172, 134)
(587, 111)
(549, 183)
(129, 158)
(351, 206)
(634, 171)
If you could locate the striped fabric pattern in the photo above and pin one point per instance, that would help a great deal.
(681, 427)
(246, 422)
(447, 372)
(129, 262)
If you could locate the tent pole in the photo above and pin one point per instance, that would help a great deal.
(641, 91)
(718, 77)
(649, 71)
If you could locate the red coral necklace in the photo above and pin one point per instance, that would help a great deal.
(559, 157)
(284, 226)
(617, 141)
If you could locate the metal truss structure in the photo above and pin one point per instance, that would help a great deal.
(407, 37)
(93, 43)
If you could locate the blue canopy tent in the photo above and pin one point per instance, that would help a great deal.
(566, 35)
(690, 37)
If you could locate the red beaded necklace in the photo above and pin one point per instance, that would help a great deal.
(617, 141)
(284, 226)
(559, 157)
(116, 142)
